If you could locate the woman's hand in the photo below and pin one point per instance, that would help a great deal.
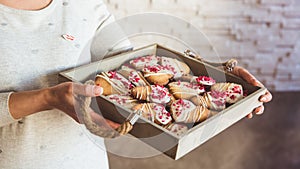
(246, 75)
(62, 97)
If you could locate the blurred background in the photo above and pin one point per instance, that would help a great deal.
(264, 36)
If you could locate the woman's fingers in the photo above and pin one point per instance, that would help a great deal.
(87, 90)
(249, 116)
(112, 124)
(101, 121)
(267, 97)
(259, 110)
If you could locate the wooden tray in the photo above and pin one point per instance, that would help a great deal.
(156, 136)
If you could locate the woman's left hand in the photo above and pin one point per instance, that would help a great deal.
(246, 75)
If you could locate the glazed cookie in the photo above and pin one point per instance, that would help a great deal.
(113, 83)
(184, 111)
(212, 100)
(140, 62)
(178, 129)
(234, 92)
(157, 74)
(177, 67)
(135, 77)
(185, 90)
(204, 80)
(155, 113)
(153, 93)
(123, 100)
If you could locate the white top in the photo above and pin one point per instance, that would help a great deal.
(33, 51)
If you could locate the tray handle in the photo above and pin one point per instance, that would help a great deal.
(227, 66)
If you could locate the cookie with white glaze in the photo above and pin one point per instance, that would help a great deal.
(184, 111)
(154, 112)
(157, 74)
(203, 80)
(185, 90)
(178, 129)
(135, 77)
(213, 100)
(177, 67)
(140, 62)
(154, 93)
(113, 83)
(234, 92)
(123, 100)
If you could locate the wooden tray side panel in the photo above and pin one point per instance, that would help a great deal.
(217, 124)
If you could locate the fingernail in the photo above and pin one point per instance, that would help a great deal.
(98, 90)
(263, 99)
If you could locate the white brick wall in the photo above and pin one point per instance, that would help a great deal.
(264, 35)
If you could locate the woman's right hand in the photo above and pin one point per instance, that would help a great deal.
(62, 97)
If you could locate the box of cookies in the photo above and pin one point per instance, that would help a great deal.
(181, 101)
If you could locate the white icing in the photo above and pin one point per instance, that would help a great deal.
(161, 114)
(186, 87)
(118, 80)
(155, 70)
(233, 91)
(141, 62)
(159, 94)
(173, 65)
(116, 87)
(181, 110)
(216, 103)
(208, 81)
(124, 100)
(178, 129)
(136, 79)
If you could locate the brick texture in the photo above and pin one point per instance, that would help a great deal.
(264, 35)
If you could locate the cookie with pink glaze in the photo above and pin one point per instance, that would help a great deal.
(154, 112)
(185, 90)
(234, 92)
(153, 93)
(157, 74)
(140, 62)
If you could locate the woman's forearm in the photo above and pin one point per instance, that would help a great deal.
(22, 104)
